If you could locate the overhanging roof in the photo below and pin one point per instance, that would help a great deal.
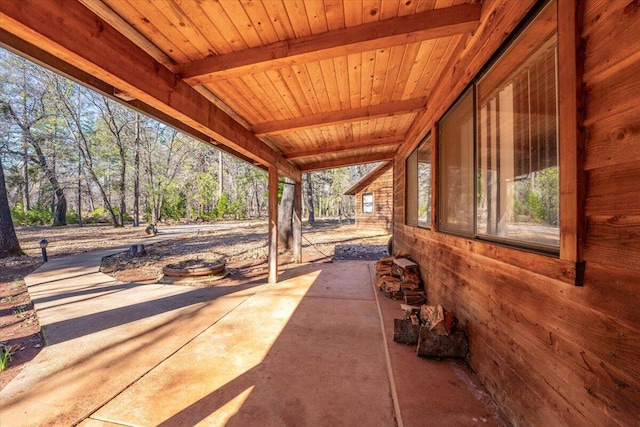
(368, 178)
(298, 85)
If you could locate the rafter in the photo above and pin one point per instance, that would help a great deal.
(72, 33)
(347, 161)
(375, 35)
(376, 142)
(344, 116)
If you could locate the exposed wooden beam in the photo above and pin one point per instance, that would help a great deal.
(344, 116)
(375, 35)
(72, 33)
(347, 161)
(376, 142)
(20, 47)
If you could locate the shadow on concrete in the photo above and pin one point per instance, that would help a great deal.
(72, 328)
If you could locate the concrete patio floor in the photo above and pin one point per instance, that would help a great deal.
(307, 351)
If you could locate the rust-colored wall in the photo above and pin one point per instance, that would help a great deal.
(381, 218)
(549, 352)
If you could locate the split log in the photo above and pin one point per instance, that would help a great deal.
(431, 344)
(404, 331)
(437, 319)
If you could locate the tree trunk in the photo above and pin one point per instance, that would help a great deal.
(285, 215)
(220, 175)
(26, 203)
(312, 217)
(9, 245)
(79, 190)
(136, 176)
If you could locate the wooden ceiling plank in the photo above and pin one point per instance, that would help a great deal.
(342, 76)
(280, 20)
(243, 24)
(346, 161)
(153, 17)
(174, 14)
(330, 80)
(367, 70)
(379, 73)
(72, 33)
(440, 55)
(298, 16)
(263, 88)
(336, 117)
(302, 76)
(314, 72)
(353, 13)
(293, 85)
(148, 30)
(354, 63)
(419, 65)
(261, 21)
(288, 98)
(408, 58)
(200, 18)
(395, 140)
(316, 16)
(371, 11)
(224, 25)
(335, 14)
(393, 69)
(370, 36)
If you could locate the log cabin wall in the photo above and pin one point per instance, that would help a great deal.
(381, 217)
(550, 352)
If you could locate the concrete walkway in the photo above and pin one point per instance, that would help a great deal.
(307, 351)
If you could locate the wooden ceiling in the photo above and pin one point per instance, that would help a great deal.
(299, 84)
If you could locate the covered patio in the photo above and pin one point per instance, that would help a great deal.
(309, 350)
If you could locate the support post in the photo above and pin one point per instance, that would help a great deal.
(297, 223)
(273, 225)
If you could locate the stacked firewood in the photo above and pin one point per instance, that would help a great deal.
(433, 329)
(399, 278)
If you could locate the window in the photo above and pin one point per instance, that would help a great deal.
(498, 146)
(456, 167)
(411, 189)
(367, 203)
(424, 183)
(517, 139)
(418, 190)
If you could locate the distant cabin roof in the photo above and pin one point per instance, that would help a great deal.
(368, 178)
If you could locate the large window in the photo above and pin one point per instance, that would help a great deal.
(456, 167)
(418, 190)
(498, 146)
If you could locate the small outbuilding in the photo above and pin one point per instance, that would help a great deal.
(374, 199)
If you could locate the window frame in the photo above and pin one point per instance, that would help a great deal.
(371, 204)
(414, 184)
(566, 238)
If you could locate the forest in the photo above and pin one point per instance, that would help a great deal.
(71, 155)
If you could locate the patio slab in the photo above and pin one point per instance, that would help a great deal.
(308, 351)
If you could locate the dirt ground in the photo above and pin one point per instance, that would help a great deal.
(244, 249)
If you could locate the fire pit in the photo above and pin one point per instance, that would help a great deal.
(194, 271)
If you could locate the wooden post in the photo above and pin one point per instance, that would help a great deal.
(273, 225)
(297, 222)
